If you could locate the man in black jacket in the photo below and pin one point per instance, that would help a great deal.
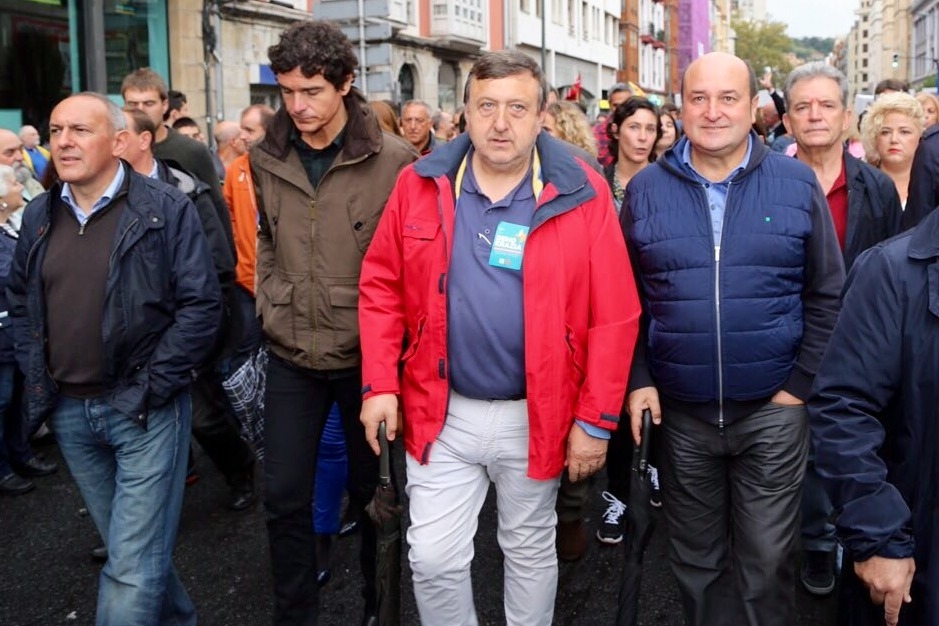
(213, 425)
(114, 298)
(866, 210)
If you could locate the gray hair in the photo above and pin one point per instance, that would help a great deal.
(115, 114)
(418, 103)
(7, 177)
(816, 69)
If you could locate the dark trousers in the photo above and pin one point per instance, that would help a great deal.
(216, 429)
(732, 505)
(297, 403)
(250, 340)
(14, 445)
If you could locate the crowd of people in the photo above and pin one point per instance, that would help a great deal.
(506, 287)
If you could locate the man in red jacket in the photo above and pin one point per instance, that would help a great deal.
(499, 284)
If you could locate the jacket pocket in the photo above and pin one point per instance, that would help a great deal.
(576, 352)
(275, 299)
(420, 229)
(413, 341)
(417, 237)
(343, 316)
(344, 296)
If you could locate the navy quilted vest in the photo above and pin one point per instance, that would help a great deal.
(729, 328)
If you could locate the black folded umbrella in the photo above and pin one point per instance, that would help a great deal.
(386, 515)
(639, 530)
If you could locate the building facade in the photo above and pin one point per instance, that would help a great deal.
(722, 34)
(580, 40)
(51, 49)
(924, 43)
(694, 31)
(749, 10)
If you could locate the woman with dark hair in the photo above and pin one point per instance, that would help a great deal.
(633, 131)
(671, 131)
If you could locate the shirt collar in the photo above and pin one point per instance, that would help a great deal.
(686, 159)
(298, 141)
(532, 181)
(106, 197)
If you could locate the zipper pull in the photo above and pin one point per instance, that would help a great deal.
(81, 228)
(717, 254)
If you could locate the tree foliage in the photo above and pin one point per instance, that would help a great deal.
(808, 47)
(764, 44)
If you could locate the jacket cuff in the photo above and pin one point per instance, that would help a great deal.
(380, 387)
(639, 377)
(899, 546)
(799, 384)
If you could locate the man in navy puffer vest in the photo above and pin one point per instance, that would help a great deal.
(740, 274)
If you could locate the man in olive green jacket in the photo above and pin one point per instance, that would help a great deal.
(322, 174)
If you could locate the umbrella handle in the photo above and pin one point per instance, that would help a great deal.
(384, 459)
(645, 445)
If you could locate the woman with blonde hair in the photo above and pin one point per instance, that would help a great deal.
(930, 104)
(891, 131)
(566, 121)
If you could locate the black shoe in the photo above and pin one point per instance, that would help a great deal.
(36, 467)
(14, 485)
(611, 528)
(242, 500)
(323, 545)
(370, 619)
(242, 490)
(818, 572)
(99, 554)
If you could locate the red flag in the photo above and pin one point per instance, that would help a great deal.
(574, 92)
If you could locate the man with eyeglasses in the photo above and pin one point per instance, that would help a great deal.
(417, 126)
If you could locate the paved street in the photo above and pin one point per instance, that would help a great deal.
(47, 576)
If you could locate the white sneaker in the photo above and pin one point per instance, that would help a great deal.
(655, 499)
(611, 528)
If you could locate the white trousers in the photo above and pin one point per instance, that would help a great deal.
(482, 441)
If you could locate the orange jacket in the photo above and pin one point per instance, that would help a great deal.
(243, 205)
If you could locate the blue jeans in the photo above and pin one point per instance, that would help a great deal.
(132, 481)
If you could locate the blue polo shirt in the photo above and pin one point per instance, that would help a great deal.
(716, 191)
(486, 333)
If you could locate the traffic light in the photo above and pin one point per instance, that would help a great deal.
(896, 60)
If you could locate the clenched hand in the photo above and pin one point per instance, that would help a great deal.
(377, 409)
(585, 454)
